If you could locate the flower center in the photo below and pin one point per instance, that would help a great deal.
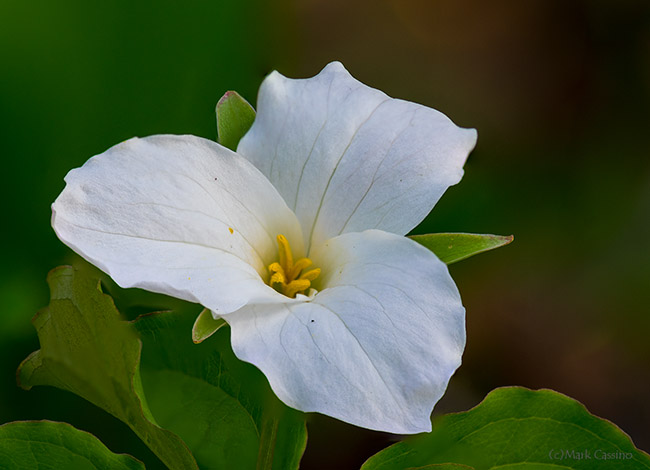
(289, 277)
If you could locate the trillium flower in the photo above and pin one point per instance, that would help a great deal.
(296, 241)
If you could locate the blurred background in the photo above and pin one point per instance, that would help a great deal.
(559, 92)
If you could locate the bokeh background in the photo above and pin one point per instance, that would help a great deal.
(558, 90)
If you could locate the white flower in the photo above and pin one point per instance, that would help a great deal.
(331, 170)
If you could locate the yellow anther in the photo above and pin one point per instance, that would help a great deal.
(296, 286)
(284, 251)
(311, 275)
(277, 278)
(301, 264)
(276, 268)
(285, 275)
(277, 275)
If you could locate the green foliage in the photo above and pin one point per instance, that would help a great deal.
(452, 247)
(234, 117)
(223, 408)
(26, 445)
(162, 385)
(205, 326)
(443, 466)
(517, 428)
(88, 350)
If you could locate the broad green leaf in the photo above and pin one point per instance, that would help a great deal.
(222, 407)
(452, 247)
(205, 326)
(234, 117)
(214, 425)
(26, 445)
(87, 349)
(518, 429)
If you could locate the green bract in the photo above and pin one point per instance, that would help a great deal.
(520, 429)
(205, 326)
(234, 117)
(222, 409)
(452, 247)
(87, 349)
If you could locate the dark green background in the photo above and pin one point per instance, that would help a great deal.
(559, 92)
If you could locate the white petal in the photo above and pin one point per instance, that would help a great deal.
(178, 215)
(347, 157)
(376, 347)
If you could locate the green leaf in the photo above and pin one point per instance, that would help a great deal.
(205, 326)
(234, 117)
(452, 247)
(517, 428)
(222, 407)
(25, 445)
(87, 349)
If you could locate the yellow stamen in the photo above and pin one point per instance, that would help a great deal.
(284, 252)
(296, 286)
(276, 268)
(301, 264)
(311, 275)
(277, 275)
(285, 274)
